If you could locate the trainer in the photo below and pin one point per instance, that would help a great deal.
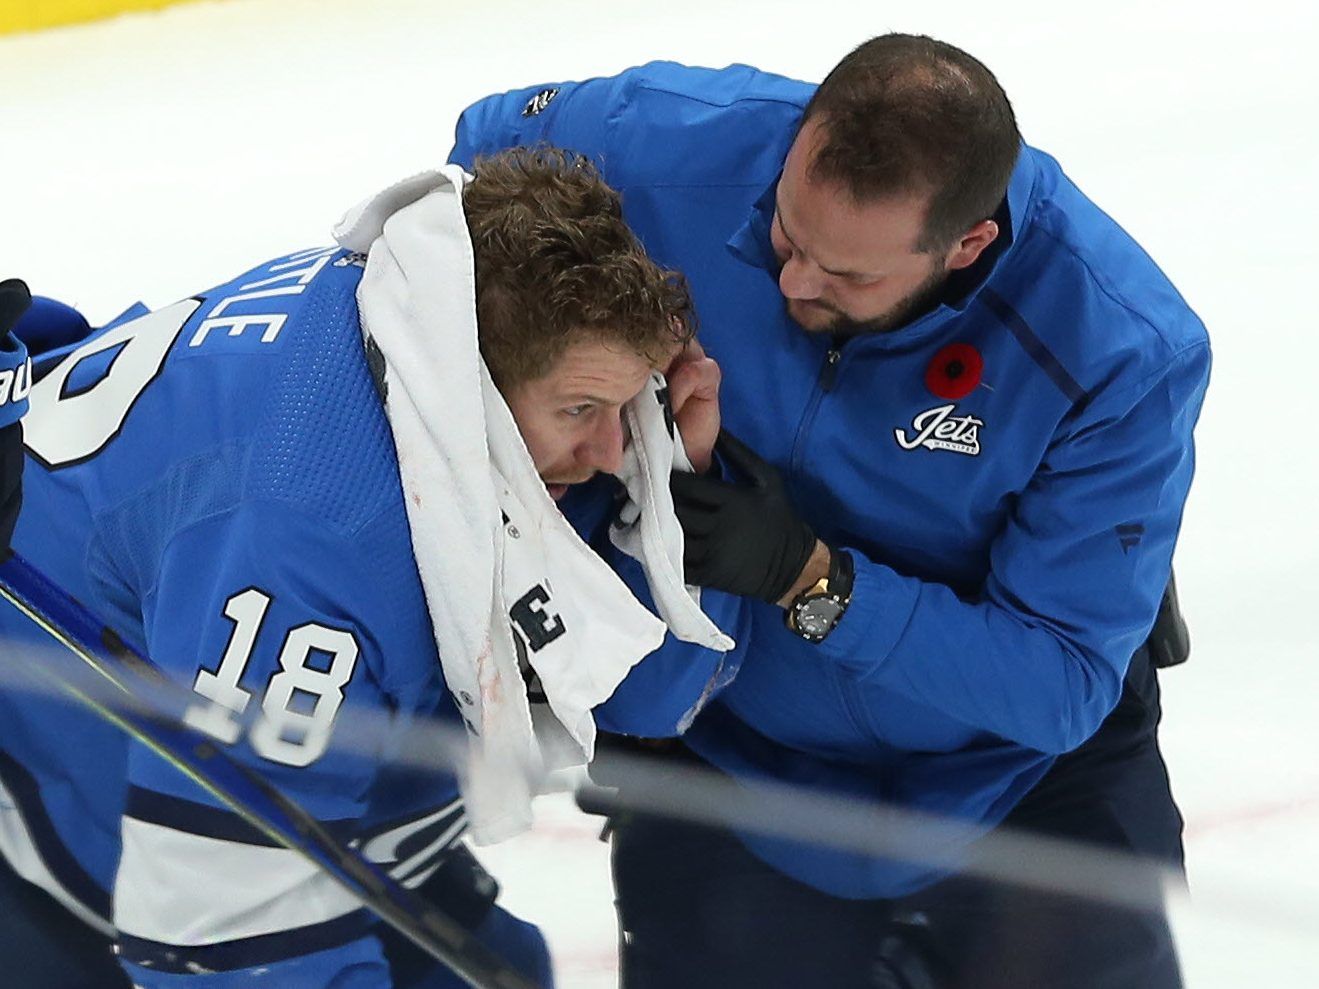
(958, 402)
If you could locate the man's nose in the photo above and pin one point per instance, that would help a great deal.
(800, 278)
(603, 449)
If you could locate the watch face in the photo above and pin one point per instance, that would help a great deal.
(818, 616)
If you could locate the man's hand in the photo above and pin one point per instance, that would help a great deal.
(743, 538)
(694, 396)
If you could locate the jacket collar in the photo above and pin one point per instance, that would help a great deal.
(751, 244)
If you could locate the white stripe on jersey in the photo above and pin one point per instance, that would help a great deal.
(382, 849)
(187, 889)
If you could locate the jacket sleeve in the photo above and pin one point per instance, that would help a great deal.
(663, 693)
(1038, 657)
(573, 115)
(279, 632)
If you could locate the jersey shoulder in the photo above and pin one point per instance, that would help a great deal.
(262, 379)
(256, 391)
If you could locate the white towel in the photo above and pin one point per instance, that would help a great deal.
(486, 535)
(648, 529)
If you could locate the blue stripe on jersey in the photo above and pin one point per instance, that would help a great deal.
(1033, 345)
(190, 817)
(54, 853)
(263, 949)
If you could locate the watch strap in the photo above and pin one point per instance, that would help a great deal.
(842, 574)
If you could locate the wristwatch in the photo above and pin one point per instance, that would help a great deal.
(815, 611)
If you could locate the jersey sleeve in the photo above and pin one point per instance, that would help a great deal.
(1075, 581)
(15, 379)
(51, 325)
(277, 627)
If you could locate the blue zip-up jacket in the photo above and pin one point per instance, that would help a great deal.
(1011, 546)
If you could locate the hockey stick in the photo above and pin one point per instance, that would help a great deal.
(116, 670)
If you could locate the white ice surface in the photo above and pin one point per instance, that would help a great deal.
(154, 155)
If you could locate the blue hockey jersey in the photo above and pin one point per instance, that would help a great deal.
(216, 480)
(1011, 545)
(15, 379)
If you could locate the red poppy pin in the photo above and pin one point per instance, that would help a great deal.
(955, 371)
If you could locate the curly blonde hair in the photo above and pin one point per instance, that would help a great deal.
(556, 263)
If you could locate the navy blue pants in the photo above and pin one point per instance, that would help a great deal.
(698, 910)
(43, 946)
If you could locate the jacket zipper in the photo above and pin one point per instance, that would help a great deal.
(825, 381)
(829, 373)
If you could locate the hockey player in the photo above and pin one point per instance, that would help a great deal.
(217, 480)
(979, 393)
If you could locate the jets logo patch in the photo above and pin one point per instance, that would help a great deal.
(939, 429)
(539, 102)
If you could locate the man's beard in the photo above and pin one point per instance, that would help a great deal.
(925, 297)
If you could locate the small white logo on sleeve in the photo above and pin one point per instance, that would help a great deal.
(939, 429)
(537, 104)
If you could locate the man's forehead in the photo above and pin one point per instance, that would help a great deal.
(838, 232)
(596, 371)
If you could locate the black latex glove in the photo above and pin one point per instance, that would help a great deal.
(745, 538)
(14, 301)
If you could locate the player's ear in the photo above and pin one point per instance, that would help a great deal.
(968, 248)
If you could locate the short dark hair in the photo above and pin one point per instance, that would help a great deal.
(556, 263)
(905, 114)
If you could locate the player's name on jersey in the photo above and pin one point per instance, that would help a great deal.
(288, 277)
(80, 405)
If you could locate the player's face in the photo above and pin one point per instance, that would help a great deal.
(571, 418)
(847, 267)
